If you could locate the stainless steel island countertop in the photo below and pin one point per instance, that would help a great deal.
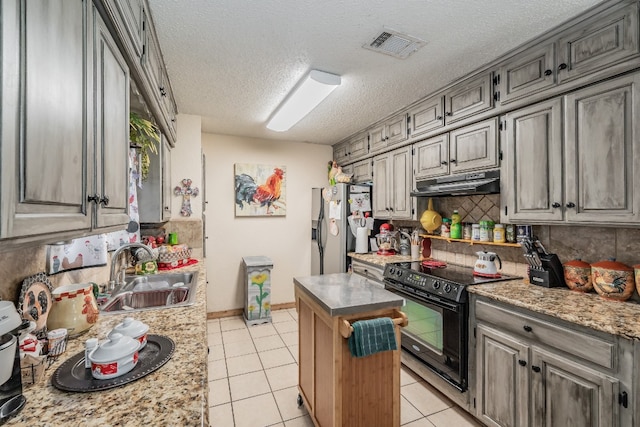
(343, 293)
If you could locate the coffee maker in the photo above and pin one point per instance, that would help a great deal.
(11, 398)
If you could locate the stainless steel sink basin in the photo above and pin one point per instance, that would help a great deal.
(155, 291)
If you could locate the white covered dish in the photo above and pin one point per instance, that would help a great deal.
(114, 357)
(132, 328)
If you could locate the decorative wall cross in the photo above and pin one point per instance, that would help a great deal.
(186, 192)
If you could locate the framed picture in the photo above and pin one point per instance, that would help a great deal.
(260, 190)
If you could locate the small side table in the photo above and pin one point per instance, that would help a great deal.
(257, 301)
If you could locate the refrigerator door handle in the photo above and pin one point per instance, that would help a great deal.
(319, 236)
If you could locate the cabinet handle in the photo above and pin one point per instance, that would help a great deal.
(95, 198)
(439, 118)
(453, 160)
(555, 205)
(535, 368)
(443, 162)
(562, 66)
(571, 205)
(104, 201)
(391, 209)
(548, 72)
(162, 91)
(448, 114)
(522, 362)
(527, 328)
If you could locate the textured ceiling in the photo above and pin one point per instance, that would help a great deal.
(233, 61)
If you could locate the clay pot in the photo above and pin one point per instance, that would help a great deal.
(613, 280)
(430, 219)
(577, 275)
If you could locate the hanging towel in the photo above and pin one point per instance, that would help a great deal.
(372, 336)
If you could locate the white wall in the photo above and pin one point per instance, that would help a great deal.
(286, 240)
(186, 162)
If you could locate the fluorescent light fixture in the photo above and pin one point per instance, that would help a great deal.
(310, 92)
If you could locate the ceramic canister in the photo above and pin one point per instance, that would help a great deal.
(613, 280)
(74, 308)
(636, 269)
(577, 275)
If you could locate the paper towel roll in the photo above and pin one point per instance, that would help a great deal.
(362, 240)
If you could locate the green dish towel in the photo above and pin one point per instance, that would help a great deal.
(372, 336)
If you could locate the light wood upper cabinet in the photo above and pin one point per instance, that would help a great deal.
(469, 97)
(599, 42)
(392, 181)
(527, 73)
(474, 147)
(62, 174)
(390, 132)
(341, 153)
(426, 116)
(531, 171)
(133, 16)
(358, 146)
(602, 155)
(362, 171)
(431, 157)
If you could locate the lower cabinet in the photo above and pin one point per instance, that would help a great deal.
(374, 274)
(549, 374)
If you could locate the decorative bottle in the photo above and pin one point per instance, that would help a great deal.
(456, 226)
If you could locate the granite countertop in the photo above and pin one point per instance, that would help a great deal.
(586, 309)
(343, 293)
(381, 260)
(176, 394)
(589, 310)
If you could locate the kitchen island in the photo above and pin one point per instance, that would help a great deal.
(336, 387)
(174, 395)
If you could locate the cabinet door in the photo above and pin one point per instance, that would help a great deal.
(341, 153)
(169, 106)
(531, 172)
(153, 66)
(359, 146)
(111, 88)
(362, 171)
(598, 43)
(502, 379)
(602, 154)
(468, 98)
(474, 147)
(528, 73)
(381, 187)
(431, 157)
(167, 187)
(45, 139)
(401, 183)
(395, 130)
(426, 116)
(565, 393)
(377, 140)
(132, 16)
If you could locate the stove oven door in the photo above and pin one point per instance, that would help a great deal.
(436, 334)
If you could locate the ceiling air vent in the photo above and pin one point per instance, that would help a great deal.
(391, 42)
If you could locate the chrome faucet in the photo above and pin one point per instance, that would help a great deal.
(113, 278)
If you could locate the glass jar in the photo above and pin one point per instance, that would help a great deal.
(491, 225)
(445, 229)
(510, 233)
(498, 234)
(466, 230)
(484, 231)
(475, 232)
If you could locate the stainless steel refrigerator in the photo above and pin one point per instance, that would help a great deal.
(331, 235)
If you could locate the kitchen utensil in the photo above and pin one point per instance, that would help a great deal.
(613, 280)
(74, 308)
(11, 398)
(132, 328)
(432, 263)
(577, 275)
(386, 240)
(114, 357)
(430, 219)
(35, 300)
(485, 265)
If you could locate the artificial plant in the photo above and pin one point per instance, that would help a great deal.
(145, 136)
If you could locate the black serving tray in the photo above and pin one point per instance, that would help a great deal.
(73, 376)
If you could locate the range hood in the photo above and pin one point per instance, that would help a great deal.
(459, 185)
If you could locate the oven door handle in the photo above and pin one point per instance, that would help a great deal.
(423, 298)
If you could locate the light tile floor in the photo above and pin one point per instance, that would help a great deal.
(253, 377)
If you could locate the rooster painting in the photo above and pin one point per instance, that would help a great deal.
(253, 198)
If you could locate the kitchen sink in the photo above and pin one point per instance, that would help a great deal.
(154, 291)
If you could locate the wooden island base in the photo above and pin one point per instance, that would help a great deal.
(337, 388)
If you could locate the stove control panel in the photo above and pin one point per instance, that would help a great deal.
(426, 283)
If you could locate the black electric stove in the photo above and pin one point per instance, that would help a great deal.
(447, 282)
